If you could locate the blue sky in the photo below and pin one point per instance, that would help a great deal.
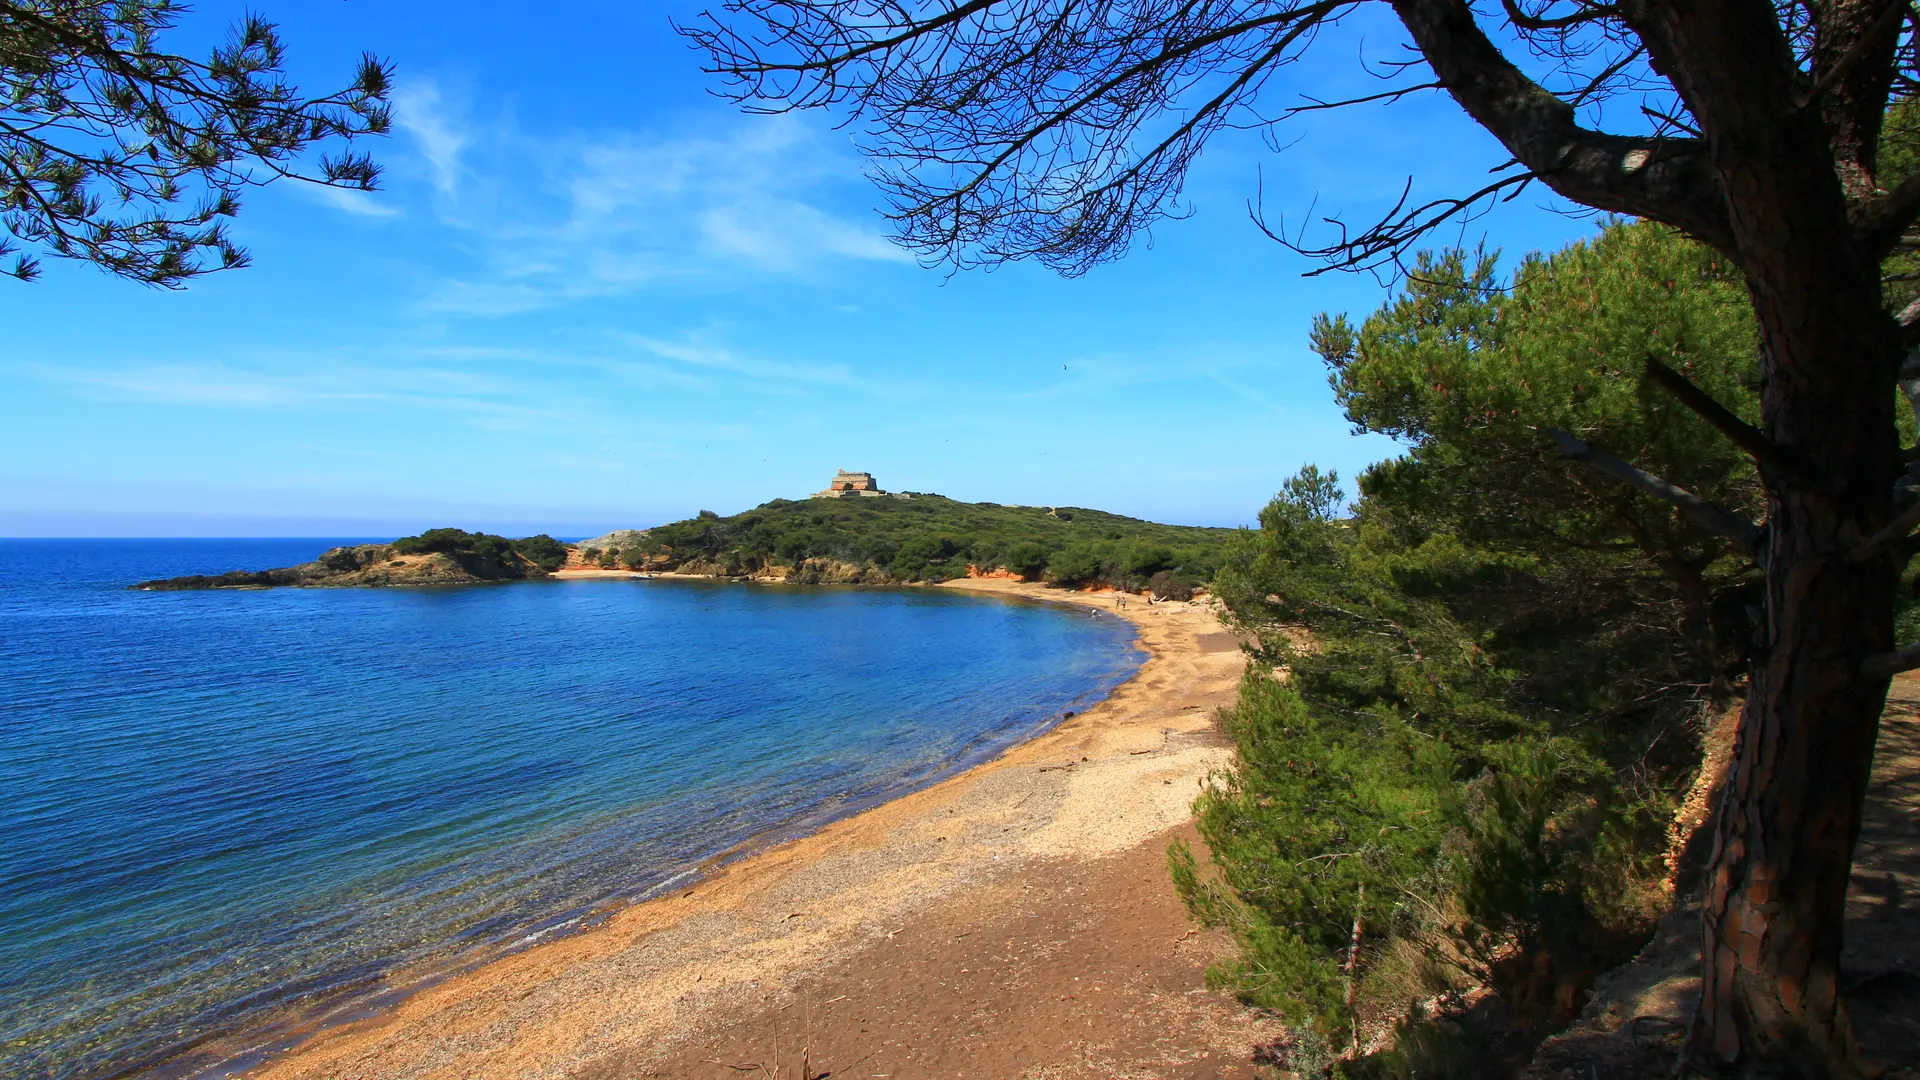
(591, 296)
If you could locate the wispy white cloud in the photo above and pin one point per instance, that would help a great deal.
(558, 389)
(707, 356)
(555, 218)
(300, 382)
(358, 203)
(421, 112)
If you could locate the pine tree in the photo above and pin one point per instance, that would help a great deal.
(117, 152)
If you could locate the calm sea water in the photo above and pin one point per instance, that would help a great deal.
(219, 807)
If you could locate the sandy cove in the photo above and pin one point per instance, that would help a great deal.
(1060, 840)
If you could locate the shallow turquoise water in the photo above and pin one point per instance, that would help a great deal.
(216, 807)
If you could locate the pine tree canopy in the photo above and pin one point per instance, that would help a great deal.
(120, 153)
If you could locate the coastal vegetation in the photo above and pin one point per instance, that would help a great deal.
(1048, 132)
(1622, 507)
(933, 538)
(1498, 662)
(927, 538)
(542, 550)
(434, 557)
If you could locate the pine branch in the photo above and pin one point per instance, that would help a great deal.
(1887, 665)
(1895, 532)
(1670, 179)
(1710, 516)
(1879, 224)
(1763, 450)
(1885, 24)
(1909, 320)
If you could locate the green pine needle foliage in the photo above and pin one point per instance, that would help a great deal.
(1477, 689)
(1321, 821)
(117, 151)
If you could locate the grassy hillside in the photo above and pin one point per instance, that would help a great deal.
(931, 538)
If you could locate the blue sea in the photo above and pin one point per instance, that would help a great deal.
(219, 810)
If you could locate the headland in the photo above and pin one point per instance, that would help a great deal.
(435, 557)
(836, 537)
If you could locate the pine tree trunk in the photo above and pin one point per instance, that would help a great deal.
(1772, 930)
(1783, 853)
(1352, 968)
(1782, 172)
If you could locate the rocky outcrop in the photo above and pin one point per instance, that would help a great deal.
(618, 540)
(805, 572)
(834, 572)
(364, 565)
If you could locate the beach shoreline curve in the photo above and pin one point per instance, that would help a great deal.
(647, 975)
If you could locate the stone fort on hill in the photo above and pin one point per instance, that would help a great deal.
(846, 483)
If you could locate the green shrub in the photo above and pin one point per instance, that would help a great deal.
(919, 557)
(1028, 559)
(930, 537)
(1074, 566)
(435, 541)
(1323, 820)
(542, 551)
(1146, 560)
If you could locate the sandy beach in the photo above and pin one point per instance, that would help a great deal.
(1014, 920)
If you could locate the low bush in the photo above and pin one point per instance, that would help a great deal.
(929, 538)
(1074, 566)
(1145, 560)
(541, 550)
(1028, 559)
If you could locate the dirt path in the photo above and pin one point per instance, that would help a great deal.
(1072, 970)
(1040, 866)
(1882, 958)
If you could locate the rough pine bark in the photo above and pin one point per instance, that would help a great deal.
(1771, 934)
(1777, 892)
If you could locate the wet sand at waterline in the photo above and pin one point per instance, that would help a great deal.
(1063, 836)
